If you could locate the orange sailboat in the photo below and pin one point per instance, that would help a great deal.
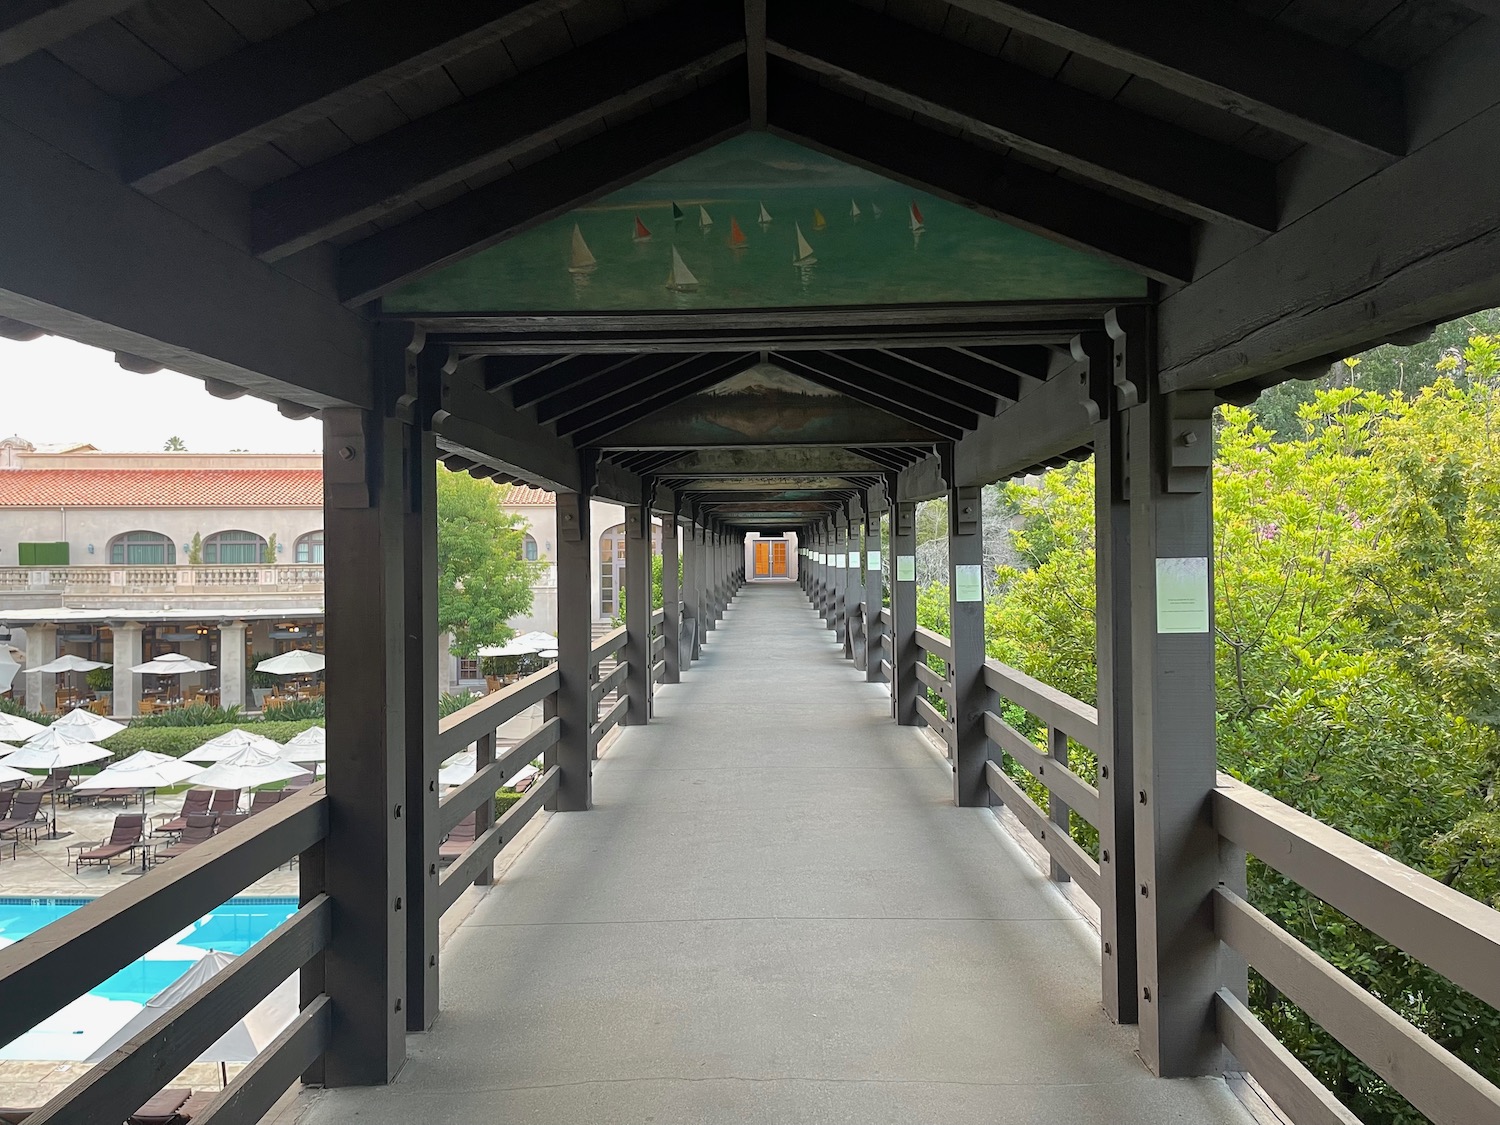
(641, 233)
(737, 239)
(819, 223)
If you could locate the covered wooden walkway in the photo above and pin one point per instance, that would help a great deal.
(774, 912)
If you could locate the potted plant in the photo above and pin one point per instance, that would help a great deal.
(101, 682)
(261, 683)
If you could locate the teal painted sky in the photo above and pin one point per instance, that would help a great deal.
(871, 259)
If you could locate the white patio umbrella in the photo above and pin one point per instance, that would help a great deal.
(14, 728)
(145, 769)
(527, 644)
(8, 670)
(8, 774)
(457, 769)
(297, 662)
(69, 663)
(241, 1043)
(172, 664)
(247, 768)
(53, 750)
(87, 726)
(307, 747)
(223, 745)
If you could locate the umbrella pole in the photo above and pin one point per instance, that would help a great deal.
(54, 834)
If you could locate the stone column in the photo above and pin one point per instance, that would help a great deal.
(41, 648)
(232, 664)
(127, 684)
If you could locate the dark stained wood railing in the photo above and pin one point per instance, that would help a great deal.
(608, 645)
(54, 966)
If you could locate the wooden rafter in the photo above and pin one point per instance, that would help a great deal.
(584, 401)
(568, 372)
(658, 57)
(541, 191)
(1217, 53)
(902, 368)
(1072, 213)
(856, 383)
(695, 375)
(1102, 140)
(28, 26)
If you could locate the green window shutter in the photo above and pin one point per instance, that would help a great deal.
(42, 554)
(26, 554)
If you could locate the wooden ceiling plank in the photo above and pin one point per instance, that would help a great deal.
(501, 371)
(1032, 362)
(566, 372)
(305, 73)
(814, 366)
(593, 392)
(1221, 55)
(28, 26)
(930, 369)
(1099, 139)
(715, 368)
(1073, 214)
(626, 69)
(550, 187)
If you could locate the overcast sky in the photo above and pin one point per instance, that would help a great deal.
(54, 390)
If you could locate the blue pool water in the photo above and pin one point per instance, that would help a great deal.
(232, 928)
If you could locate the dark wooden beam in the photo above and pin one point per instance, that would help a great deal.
(28, 26)
(1067, 212)
(543, 190)
(658, 57)
(755, 59)
(1032, 362)
(864, 386)
(300, 76)
(937, 371)
(577, 402)
(1102, 140)
(501, 371)
(567, 372)
(680, 377)
(1217, 53)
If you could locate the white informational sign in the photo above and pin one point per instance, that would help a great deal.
(874, 562)
(853, 560)
(906, 568)
(1182, 596)
(968, 583)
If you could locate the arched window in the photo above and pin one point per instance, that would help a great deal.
(528, 549)
(612, 564)
(142, 548)
(234, 548)
(310, 548)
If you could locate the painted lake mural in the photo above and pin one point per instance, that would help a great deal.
(761, 222)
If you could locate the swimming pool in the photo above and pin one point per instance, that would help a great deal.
(231, 928)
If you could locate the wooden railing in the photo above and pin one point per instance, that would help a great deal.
(935, 646)
(156, 579)
(887, 655)
(605, 647)
(1447, 931)
(477, 723)
(49, 969)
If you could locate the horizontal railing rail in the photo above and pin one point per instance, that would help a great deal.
(184, 578)
(50, 968)
(484, 715)
(607, 645)
(608, 683)
(930, 645)
(611, 718)
(658, 618)
(1450, 933)
(460, 801)
(476, 861)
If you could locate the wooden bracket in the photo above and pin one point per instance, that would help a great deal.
(904, 520)
(405, 408)
(635, 521)
(346, 479)
(1132, 354)
(569, 526)
(964, 517)
(1091, 358)
(1188, 453)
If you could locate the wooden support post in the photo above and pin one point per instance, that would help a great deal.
(854, 593)
(484, 816)
(971, 698)
(1181, 962)
(1057, 810)
(423, 910)
(575, 551)
(365, 854)
(839, 572)
(638, 614)
(706, 579)
(692, 583)
(904, 652)
(1118, 890)
(874, 593)
(671, 600)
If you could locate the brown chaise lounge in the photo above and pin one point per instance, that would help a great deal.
(194, 802)
(24, 819)
(127, 833)
(460, 840)
(200, 827)
(225, 801)
(163, 1109)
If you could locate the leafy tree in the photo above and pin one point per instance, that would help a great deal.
(195, 550)
(268, 556)
(174, 445)
(483, 578)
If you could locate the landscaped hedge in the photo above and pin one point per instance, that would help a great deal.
(503, 801)
(178, 741)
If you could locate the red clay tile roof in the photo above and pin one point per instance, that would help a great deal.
(521, 496)
(161, 488)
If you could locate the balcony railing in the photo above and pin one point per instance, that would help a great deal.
(103, 580)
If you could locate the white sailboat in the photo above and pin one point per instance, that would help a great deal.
(765, 216)
(704, 222)
(853, 209)
(875, 210)
(681, 279)
(582, 260)
(804, 251)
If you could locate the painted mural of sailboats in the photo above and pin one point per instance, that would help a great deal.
(853, 209)
(804, 251)
(581, 260)
(681, 279)
(819, 223)
(677, 213)
(705, 223)
(875, 210)
(641, 232)
(918, 224)
(737, 239)
(765, 216)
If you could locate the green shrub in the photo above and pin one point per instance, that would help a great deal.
(196, 715)
(100, 679)
(503, 801)
(293, 710)
(178, 741)
(450, 702)
(262, 679)
(14, 707)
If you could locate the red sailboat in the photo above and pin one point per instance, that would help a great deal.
(737, 239)
(918, 224)
(641, 233)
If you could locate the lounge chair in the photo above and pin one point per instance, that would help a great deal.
(194, 802)
(57, 781)
(459, 840)
(230, 819)
(197, 1102)
(128, 831)
(200, 827)
(262, 799)
(26, 818)
(9, 1115)
(7, 796)
(225, 801)
(161, 1109)
(301, 781)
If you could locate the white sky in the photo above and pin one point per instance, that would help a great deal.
(55, 390)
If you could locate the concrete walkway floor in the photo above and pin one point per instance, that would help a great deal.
(774, 914)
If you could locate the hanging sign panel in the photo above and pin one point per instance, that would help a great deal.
(1182, 595)
(906, 568)
(874, 561)
(968, 583)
